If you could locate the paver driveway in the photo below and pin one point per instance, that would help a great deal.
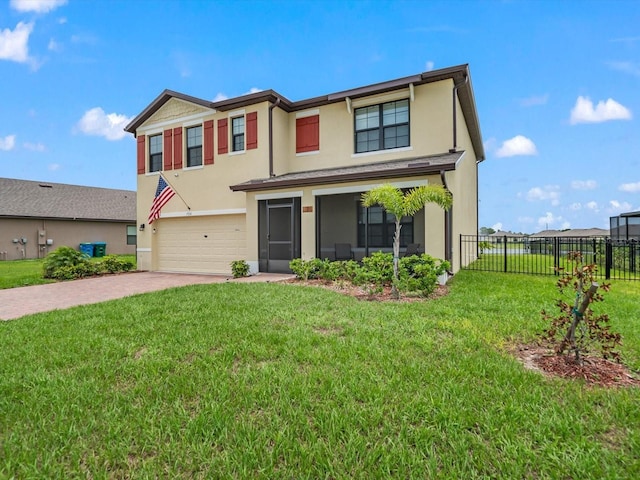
(17, 302)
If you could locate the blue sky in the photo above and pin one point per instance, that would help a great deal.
(556, 83)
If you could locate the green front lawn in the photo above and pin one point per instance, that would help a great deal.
(281, 381)
(21, 273)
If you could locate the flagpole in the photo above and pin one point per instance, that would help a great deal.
(177, 193)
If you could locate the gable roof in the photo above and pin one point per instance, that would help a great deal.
(28, 199)
(431, 164)
(459, 74)
(573, 232)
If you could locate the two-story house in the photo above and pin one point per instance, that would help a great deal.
(266, 179)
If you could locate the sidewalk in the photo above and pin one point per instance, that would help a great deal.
(17, 302)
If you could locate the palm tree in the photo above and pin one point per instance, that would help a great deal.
(400, 204)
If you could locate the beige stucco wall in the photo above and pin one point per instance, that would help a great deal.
(63, 233)
(431, 123)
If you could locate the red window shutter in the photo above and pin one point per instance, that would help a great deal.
(167, 149)
(141, 154)
(252, 130)
(208, 142)
(223, 137)
(308, 134)
(177, 147)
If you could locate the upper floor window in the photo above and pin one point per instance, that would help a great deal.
(383, 126)
(194, 146)
(237, 134)
(155, 153)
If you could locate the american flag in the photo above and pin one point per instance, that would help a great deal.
(164, 192)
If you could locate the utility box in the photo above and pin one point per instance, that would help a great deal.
(42, 237)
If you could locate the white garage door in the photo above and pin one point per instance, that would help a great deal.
(200, 244)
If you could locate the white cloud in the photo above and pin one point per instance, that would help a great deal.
(584, 184)
(592, 206)
(549, 192)
(219, 97)
(34, 147)
(7, 143)
(97, 122)
(253, 90)
(549, 220)
(616, 207)
(525, 220)
(630, 187)
(54, 166)
(626, 67)
(54, 46)
(497, 226)
(518, 145)
(38, 6)
(534, 100)
(575, 206)
(429, 66)
(14, 44)
(584, 112)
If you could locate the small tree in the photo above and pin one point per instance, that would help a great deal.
(577, 325)
(400, 204)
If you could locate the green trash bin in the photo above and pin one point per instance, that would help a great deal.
(87, 249)
(99, 249)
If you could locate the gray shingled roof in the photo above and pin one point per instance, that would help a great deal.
(406, 167)
(574, 232)
(26, 198)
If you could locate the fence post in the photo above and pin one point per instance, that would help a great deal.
(556, 255)
(505, 253)
(608, 259)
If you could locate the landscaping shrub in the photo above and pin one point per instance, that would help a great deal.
(114, 264)
(80, 270)
(63, 257)
(239, 268)
(65, 263)
(417, 273)
(306, 269)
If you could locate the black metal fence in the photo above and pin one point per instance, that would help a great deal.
(616, 259)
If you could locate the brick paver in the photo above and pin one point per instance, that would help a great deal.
(17, 302)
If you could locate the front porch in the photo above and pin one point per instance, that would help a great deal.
(341, 219)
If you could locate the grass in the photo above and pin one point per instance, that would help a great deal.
(21, 273)
(282, 381)
(542, 264)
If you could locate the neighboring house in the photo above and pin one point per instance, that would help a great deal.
(265, 179)
(573, 232)
(501, 234)
(37, 217)
(625, 226)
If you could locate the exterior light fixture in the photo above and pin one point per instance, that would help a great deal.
(141, 227)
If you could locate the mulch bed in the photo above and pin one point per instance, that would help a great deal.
(594, 371)
(362, 293)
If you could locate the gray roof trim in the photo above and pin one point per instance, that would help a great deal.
(158, 102)
(457, 74)
(630, 214)
(406, 167)
(46, 200)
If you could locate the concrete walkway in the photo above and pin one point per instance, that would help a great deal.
(17, 302)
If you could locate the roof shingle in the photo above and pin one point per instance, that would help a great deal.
(26, 198)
